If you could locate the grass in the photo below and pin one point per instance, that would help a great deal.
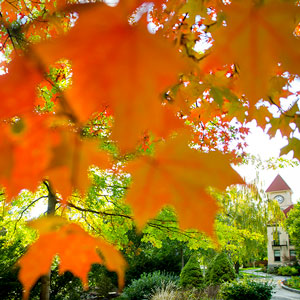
(247, 275)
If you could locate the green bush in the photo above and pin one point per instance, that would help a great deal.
(144, 287)
(219, 270)
(191, 275)
(246, 289)
(165, 259)
(69, 287)
(294, 282)
(287, 271)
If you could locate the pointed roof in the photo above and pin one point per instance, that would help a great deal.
(278, 184)
(286, 211)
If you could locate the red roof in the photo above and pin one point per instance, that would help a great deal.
(278, 184)
(285, 211)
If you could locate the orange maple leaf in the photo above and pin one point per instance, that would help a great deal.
(76, 249)
(18, 95)
(70, 161)
(34, 150)
(120, 65)
(179, 176)
(10, 10)
(257, 37)
(26, 146)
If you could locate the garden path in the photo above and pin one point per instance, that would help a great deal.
(280, 293)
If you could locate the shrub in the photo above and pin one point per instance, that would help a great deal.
(287, 271)
(150, 259)
(69, 287)
(145, 286)
(219, 270)
(264, 269)
(191, 275)
(273, 270)
(171, 292)
(246, 289)
(168, 291)
(294, 282)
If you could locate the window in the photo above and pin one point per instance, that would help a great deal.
(292, 254)
(276, 255)
(276, 238)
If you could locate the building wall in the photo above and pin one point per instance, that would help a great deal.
(283, 246)
(287, 198)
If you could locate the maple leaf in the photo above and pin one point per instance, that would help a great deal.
(194, 8)
(179, 176)
(129, 69)
(257, 37)
(283, 122)
(26, 145)
(76, 249)
(10, 9)
(293, 145)
(52, 6)
(18, 95)
(70, 160)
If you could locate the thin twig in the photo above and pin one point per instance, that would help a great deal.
(26, 208)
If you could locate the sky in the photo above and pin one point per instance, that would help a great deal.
(260, 144)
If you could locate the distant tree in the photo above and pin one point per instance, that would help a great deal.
(292, 225)
(241, 225)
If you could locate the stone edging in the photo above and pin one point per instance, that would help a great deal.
(282, 283)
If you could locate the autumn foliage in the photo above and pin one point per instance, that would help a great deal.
(167, 89)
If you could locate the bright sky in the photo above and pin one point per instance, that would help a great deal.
(261, 145)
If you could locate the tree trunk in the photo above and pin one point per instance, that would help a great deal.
(45, 287)
(237, 267)
(182, 258)
(45, 279)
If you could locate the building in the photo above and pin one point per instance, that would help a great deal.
(280, 251)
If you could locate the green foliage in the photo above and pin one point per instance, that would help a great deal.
(246, 289)
(287, 271)
(191, 275)
(69, 287)
(10, 287)
(241, 225)
(145, 258)
(294, 282)
(219, 270)
(292, 225)
(65, 286)
(145, 286)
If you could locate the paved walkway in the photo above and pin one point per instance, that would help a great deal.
(280, 293)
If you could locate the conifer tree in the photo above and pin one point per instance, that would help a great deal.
(191, 274)
(220, 270)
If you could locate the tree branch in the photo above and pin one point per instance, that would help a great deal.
(26, 208)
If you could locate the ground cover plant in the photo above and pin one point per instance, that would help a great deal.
(87, 93)
(294, 282)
